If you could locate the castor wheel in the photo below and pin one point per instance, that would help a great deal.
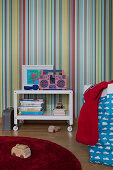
(69, 128)
(15, 128)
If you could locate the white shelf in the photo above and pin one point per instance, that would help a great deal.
(43, 92)
(47, 115)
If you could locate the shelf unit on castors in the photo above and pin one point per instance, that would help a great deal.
(47, 115)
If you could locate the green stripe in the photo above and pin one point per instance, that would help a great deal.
(11, 60)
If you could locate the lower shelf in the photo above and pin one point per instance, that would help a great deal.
(47, 115)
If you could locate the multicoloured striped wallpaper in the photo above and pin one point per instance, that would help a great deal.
(74, 35)
(93, 44)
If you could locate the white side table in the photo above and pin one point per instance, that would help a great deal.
(47, 115)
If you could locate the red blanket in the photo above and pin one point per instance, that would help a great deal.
(87, 132)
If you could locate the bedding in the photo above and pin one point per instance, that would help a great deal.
(102, 151)
(87, 132)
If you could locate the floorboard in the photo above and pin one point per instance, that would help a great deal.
(63, 138)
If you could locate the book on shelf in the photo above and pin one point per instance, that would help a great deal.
(31, 113)
(59, 111)
(31, 102)
(39, 100)
(59, 114)
(27, 103)
(30, 108)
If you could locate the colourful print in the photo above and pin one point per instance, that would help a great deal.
(33, 76)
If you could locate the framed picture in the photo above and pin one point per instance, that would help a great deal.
(30, 74)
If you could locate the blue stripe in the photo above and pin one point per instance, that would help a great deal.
(32, 35)
(52, 97)
(56, 34)
(48, 31)
(52, 32)
(82, 52)
(42, 26)
(22, 31)
(37, 31)
(52, 45)
(110, 8)
(3, 83)
(101, 43)
(34, 19)
(98, 41)
(55, 40)
(93, 54)
(102, 40)
(87, 43)
(106, 59)
(92, 43)
(68, 43)
(43, 33)
(26, 33)
(110, 38)
(76, 66)
(61, 37)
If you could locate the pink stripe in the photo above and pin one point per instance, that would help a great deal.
(17, 33)
(54, 34)
(54, 45)
(21, 43)
(24, 32)
(36, 32)
(104, 41)
(5, 59)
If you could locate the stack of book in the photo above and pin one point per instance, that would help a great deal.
(59, 112)
(31, 107)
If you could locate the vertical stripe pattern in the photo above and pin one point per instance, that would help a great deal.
(93, 45)
(74, 35)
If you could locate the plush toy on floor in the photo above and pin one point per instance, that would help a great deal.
(53, 129)
(20, 150)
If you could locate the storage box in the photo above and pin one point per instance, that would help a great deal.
(8, 119)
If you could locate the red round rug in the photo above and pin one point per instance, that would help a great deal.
(45, 155)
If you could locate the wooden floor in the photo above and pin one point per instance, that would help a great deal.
(63, 138)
